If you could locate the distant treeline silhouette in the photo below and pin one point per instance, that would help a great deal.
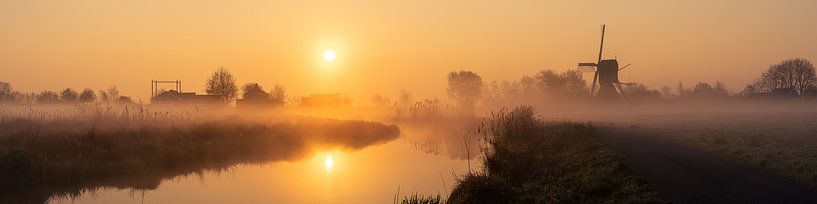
(66, 96)
(788, 79)
(221, 83)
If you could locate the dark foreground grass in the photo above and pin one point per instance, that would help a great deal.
(421, 199)
(534, 161)
(37, 164)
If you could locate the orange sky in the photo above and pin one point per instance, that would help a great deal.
(384, 46)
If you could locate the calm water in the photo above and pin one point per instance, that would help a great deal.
(370, 175)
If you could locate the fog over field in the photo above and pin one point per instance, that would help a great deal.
(412, 102)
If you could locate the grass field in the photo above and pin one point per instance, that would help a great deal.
(528, 160)
(783, 144)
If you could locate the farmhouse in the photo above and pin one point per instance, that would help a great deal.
(174, 97)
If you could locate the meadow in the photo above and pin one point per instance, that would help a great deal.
(784, 144)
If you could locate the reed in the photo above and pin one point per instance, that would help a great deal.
(530, 160)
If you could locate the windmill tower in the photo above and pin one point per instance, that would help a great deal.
(605, 72)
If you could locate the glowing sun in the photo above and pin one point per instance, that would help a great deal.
(329, 55)
(328, 162)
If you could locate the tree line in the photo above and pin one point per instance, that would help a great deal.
(466, 88)
(65, 96)
(222, 83)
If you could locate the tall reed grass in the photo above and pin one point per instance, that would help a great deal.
(529, 160)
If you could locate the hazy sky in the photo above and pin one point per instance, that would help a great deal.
(383, 46)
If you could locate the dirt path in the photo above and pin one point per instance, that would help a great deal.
(685, 174)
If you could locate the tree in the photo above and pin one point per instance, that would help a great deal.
(465, 87)
(69, 95)
(278, 94)
(103, 96)
(568, 83)
(87, 96)
(47, 97)
(636, 91)
(222, 84)
(6, 93)
(113, 93)
(796, 74)
(704, 90)
(666, 91)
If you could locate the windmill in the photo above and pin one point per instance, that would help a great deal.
(605, 73)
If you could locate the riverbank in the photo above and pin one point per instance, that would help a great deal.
(529, 160)
(37, 163)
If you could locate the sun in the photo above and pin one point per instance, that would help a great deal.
(329, 55)
(328, 162)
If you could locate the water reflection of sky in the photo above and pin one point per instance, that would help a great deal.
(371, 175)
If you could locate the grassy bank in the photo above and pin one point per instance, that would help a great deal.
(784, 144)
(529, 160)
(37, 163)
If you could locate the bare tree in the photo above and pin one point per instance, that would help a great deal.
(222, 84)
(278, 94)
(69, 95)
(87, 96)
(465, 87)
(113, 93)
(795, 74)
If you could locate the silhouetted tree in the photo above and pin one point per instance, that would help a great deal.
(47, 97)
(704, 90)
(639, 92)
(222, 83)
(666, 91)
(69, 95)
(796, 74)
(278, 94)
(103, 96)
(113, 93)
(465, 87)
(87, 96)
(568, 83)
(6, 93)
